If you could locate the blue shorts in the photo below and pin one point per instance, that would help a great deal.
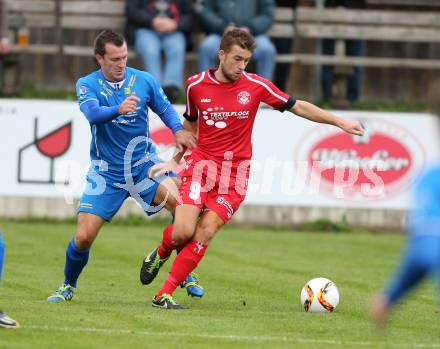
(106, 191)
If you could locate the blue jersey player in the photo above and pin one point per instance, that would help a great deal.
(115, 100)
(5, 320)
(422, 255)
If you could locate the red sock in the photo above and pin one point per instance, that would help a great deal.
(185, 262)
(167, 245)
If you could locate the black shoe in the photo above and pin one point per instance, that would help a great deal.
(150, 267)
(172, 93)
(166, 301)
(7, 322)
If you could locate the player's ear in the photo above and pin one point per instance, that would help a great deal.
(99, 58)
(221, 54)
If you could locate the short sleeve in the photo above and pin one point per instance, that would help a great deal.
(191, 109)
(272, 95)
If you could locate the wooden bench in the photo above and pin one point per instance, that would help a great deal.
(370, 25)
(343, 24)
(62, 34)
(68, 28)
(62, 16)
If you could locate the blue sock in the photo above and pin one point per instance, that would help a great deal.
(2, 254)
(76, 260)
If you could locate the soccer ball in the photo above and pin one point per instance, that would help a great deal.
(320, 295)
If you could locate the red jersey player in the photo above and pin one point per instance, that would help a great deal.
(221, 107)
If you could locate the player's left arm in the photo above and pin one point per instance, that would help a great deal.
(162, 107)
(312, 112)
(281, 101)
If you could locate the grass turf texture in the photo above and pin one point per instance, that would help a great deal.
(252, 280)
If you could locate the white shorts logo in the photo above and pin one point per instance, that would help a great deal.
(222, 201)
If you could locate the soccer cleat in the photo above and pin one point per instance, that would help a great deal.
(150, 267)
(63, 293)
(166, 301)
(193, 287)
(7, 322)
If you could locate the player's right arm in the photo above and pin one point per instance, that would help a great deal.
(95, 113)
(189, 124)
(170, 165)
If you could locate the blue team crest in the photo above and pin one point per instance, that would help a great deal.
(83, 89)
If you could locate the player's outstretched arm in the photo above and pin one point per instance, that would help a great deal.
(311, 112)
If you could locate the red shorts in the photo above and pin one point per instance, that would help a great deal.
(209, 184)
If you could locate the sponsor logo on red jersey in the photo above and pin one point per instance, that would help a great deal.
(217, 116)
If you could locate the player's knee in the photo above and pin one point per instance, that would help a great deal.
(170, 205)
(85, 235)
(205, 232)
(83, 240)
(182, 233)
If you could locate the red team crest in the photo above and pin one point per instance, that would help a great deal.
(243, 97)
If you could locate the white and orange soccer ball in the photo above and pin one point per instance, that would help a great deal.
(319, 295)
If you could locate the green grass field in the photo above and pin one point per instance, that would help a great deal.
(252, 280)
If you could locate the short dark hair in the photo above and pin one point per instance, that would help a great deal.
(237, 36)
(105, 37)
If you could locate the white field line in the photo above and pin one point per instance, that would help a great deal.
(231, 337)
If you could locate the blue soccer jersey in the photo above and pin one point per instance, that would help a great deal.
(424, 218)
(124, 136)
(422, 254)
(119, 142)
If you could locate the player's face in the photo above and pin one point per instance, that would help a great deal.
(113, 62)
(234, 62)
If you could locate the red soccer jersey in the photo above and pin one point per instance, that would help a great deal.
(226, 112)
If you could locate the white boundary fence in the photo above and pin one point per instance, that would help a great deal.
(300, 170)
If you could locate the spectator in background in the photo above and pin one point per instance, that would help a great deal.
(157, 27)
(5, 46)
(254, 16)
(283, 45)
(354, 48)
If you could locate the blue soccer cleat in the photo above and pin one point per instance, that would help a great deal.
(62, 294)
(193, 287)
